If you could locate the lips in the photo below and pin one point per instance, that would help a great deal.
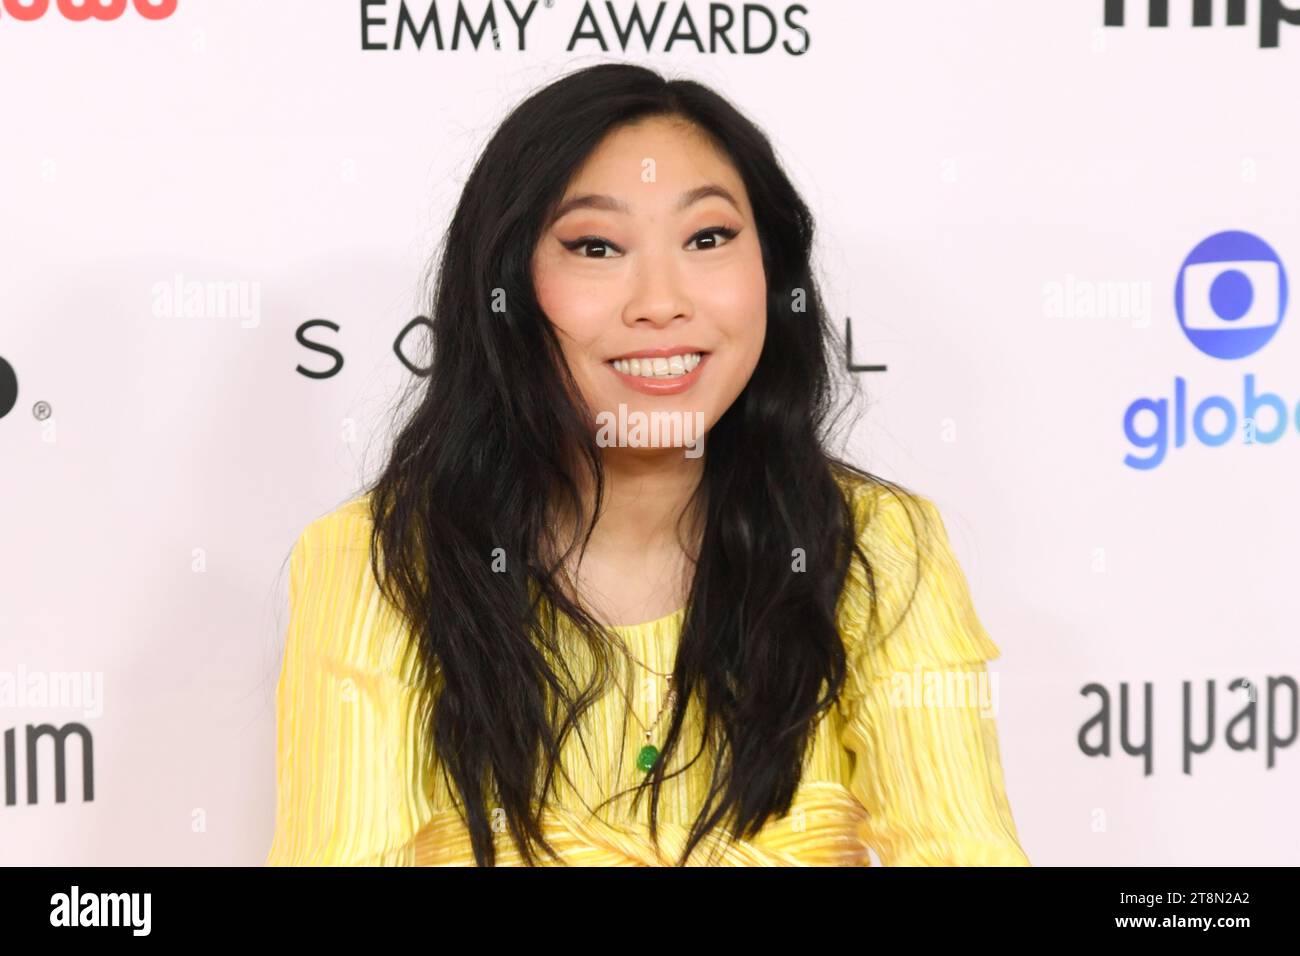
(660, 371)
(665, 351)
(657, 366)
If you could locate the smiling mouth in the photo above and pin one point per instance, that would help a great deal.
(659, 367)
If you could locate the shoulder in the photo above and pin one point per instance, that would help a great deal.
(893, 525)
(334, 596)
(910, 604)
(347, 527)
(330, 552)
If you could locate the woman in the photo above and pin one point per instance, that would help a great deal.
(550, 634)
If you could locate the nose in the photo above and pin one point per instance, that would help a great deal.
(658, 297)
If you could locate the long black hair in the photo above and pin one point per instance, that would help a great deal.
(492, 443)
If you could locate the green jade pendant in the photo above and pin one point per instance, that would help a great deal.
(646, 758)
(648, 755)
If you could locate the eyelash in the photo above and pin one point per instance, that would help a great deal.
(577, 244)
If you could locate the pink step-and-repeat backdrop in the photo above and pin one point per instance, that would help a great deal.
(1063, 236)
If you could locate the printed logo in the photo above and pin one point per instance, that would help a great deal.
(1231, 295)
(1270, 13)
(8, 387)
(88, 9)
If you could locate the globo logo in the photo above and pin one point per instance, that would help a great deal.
(87, 9)
(1230, 297)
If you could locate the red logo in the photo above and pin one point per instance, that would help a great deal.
(88, 9)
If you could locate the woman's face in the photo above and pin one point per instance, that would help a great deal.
(652, 275)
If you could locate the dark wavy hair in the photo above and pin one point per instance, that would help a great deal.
(493, 441)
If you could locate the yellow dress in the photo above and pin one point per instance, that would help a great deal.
(899, 765)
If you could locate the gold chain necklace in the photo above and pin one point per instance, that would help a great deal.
(648, 755)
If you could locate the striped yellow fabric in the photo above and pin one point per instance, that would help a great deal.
(906, 763)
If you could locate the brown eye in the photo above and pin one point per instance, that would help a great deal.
(592, 242)
(711, 235)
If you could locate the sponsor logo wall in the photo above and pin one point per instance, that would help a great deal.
(1060, 239)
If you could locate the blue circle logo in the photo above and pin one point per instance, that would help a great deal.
(1231, 295)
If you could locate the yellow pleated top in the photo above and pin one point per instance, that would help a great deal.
(906, 763)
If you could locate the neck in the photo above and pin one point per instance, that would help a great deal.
(645, 498)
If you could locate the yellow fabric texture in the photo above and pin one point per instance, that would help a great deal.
(898, 765)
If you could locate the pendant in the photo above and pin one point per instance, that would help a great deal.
(647, 756)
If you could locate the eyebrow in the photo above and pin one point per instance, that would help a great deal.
(610, 204)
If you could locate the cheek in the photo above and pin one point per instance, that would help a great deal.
(740, 307)
(577, 311)
(575, 308)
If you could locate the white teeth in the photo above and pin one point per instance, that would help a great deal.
(675, 366)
